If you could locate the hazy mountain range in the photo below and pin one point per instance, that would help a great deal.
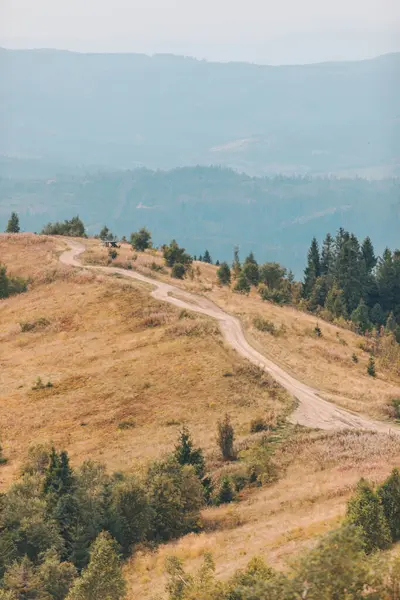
(128, 110)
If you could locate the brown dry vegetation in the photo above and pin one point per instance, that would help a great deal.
(115, 355)
(126, 370)
(325, 363)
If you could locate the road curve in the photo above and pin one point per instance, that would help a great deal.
(312, 410)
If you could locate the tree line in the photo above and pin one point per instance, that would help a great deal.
(348, 281)
(343, 281)
(63, 531)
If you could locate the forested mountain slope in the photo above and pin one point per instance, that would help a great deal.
(125, 110)
(211, 207)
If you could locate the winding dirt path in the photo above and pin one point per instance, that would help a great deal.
(312, 410)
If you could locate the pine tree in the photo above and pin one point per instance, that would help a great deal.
(318, 293)
(251, 272)
(360, 316)
(335, 302)
(327, 256)
(368, 253)
(377, 315)
(389, 494)
(224, 274)
(250, 259)
(242, 285)
(365, 511)
(207, 257)
(59, 478)
(186, 454)
(105, 234)
(102, 579)
(226, 436)
(13, 224)
(225, 493)
(313, 269)
(236, 266)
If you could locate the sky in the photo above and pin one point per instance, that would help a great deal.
(263, 31)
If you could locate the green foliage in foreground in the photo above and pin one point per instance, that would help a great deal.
(56, 522)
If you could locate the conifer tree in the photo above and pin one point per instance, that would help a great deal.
(368, 253)
(236, 266)
(186, 454)
(224, 274)
(360, 316)
(327, 256)
(13, 224)
(102, 579)
(365, 511)
(313, 269)
(389, 494)
(207, 257)
(242, 285)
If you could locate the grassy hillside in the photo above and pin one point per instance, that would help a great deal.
(128, 371)
(124, 110)
(211, 207)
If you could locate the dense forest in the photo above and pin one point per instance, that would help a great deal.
(212, 207)
(349, 281)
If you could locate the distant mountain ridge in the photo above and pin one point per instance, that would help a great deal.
(209, 207)
(164, 111)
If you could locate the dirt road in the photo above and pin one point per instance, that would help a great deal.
(312, 410)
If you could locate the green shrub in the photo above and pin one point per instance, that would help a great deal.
(141, 240)
(264, 325)
(225, 438)
(395, 403)
(31, 326)
(39, 385)
(127, 424)
(112, 253)
(258, 424)
(241, 286)
(371, 367)
(178, 271)
(354, 358)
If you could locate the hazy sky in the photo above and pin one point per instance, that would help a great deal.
(266, 31)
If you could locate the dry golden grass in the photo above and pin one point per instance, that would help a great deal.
(325, 363)
(114, 355)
